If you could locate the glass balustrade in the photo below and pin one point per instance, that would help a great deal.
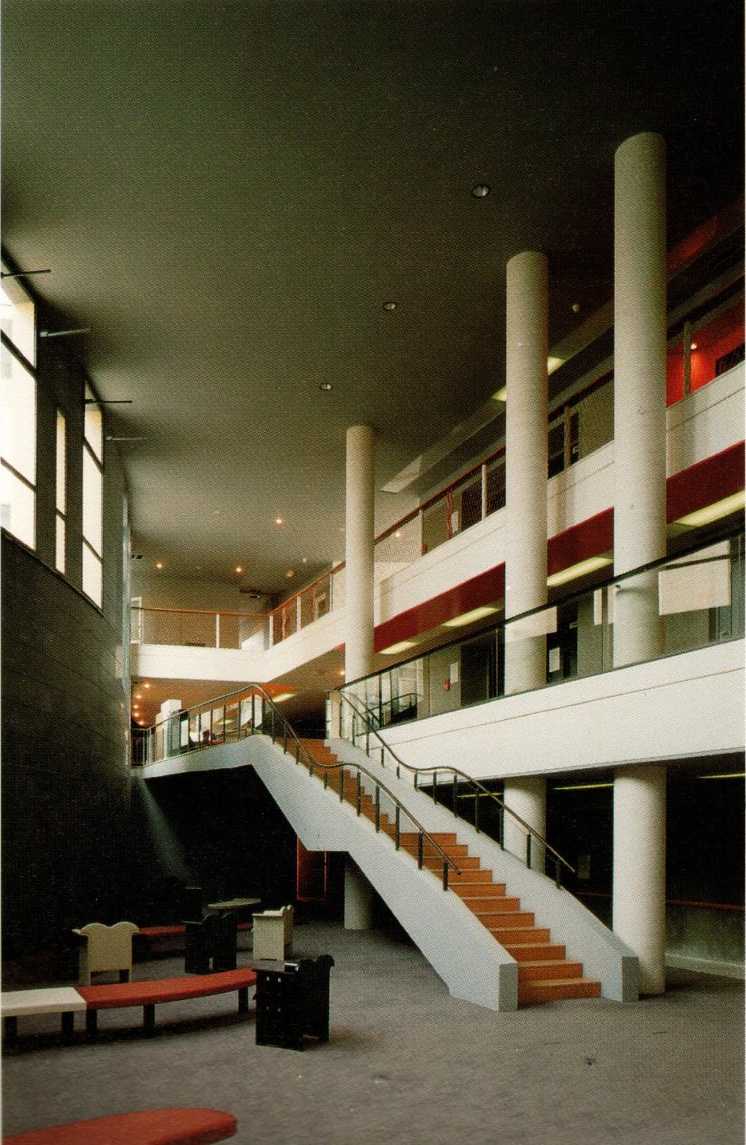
(691, 600)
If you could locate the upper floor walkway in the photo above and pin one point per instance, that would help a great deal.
(446, 559)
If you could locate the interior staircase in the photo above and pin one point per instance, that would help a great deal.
(545, 974)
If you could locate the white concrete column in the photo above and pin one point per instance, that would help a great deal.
(526, 463)
(527, 797)
(168, 709)
(639, 391)
(359, 546)
(358, 901)
(639, 896)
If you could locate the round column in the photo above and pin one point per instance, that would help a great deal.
(359, 544)
(639, 898)
(526, 464)
(358, 900)
(639, 391)
(527, 797)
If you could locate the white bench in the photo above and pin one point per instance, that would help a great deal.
(64, 1000)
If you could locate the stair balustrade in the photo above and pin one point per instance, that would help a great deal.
(456, 776)
(256, 713)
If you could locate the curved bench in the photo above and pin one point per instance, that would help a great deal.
(151, 1127)
(68, 1000)
(150, 993)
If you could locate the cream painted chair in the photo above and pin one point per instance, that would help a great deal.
(273, 933)
(106, 948)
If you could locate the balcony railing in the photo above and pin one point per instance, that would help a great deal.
(196, 628)
(696, 598)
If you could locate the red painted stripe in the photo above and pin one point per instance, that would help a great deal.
(693, 488)
(586, 539)
(486, 588)
(705, 482)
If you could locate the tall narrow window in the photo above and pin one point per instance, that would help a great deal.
(93, 482)
(17, 448)
(60, 493)
(17, 318)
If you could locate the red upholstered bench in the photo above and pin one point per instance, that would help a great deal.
(151, 1127)
(149, 993)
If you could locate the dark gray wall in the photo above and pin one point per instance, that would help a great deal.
(66, 786)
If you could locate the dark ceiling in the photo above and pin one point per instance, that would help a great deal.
(228, 192)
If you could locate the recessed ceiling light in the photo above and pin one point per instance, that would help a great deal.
(693, 346)
(713, 512)
(283, 696)
(389, 306)
(239, 568)
(138, 695)
(326, 386)
(400, 646)
(290, 572)
(159, 564)
(341, 672)
(469, 617)
(591, 564)
(304, 560)
(397, 533)
(279, 521)
(575, 308)
(146, 685)
(480, 190)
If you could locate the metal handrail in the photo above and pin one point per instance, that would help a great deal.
(289, 733)
(531, 832)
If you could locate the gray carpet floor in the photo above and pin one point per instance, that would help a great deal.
(407, 1063)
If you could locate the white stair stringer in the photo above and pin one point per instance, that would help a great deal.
(462, 952)
(604, 956)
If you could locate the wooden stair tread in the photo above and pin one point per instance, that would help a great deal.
(498, 911)
(553, 983)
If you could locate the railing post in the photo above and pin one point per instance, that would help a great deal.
(359, 793)
(217, 629)
(397, 827)
(298, 612)
(420, 850)
(326, 778)
(378, 808)
(445, 875)
(557, 874)
(416, 775)
(454, 797)
(341, 783)
(484, 490)
(476, 812)
(501, 827)
(528, 850)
